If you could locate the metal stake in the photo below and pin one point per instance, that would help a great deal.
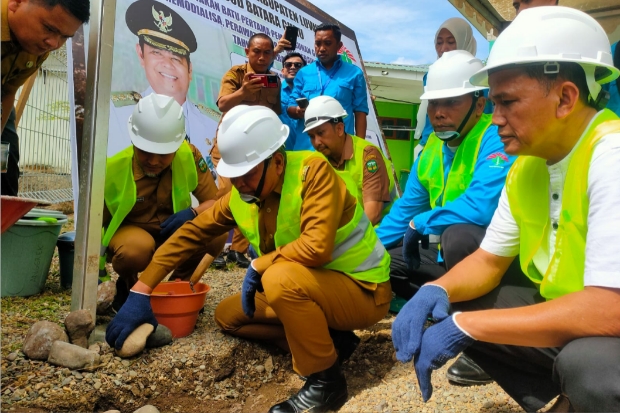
(94, 149)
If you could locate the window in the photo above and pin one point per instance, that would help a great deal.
(396, 128)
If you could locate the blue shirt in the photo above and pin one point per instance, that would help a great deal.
(297, 139)
(475, 206)
(344, 81)
(612, 88)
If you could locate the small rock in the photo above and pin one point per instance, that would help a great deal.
(112, 411)
(147, 409)
(269, 364)
(71, 356)
(79, 324)
(97, 385)
(136, 341)
(11, 357)
(40, 337)
(95, 347)
(97, 335)
(105, 295)
(160, 337)
(260, 368)
(488, 404)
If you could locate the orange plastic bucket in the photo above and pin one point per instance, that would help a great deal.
(13, 208)
(176, 306)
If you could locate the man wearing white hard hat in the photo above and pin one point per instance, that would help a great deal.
(454, 187)
(556, 331)
(320, 265)
(371, 171)
(147, 193)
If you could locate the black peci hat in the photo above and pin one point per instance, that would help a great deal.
(160, 26)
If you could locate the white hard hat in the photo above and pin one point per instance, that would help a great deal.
(551, 34)
(449, 75)
(247, 136)
(322, 109)
(157, 124)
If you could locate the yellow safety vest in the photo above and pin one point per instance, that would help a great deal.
(357, 249)
(527, 187)
(430, 166)
(120, 188)
(355, 166)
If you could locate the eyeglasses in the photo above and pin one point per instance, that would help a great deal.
(288, 65)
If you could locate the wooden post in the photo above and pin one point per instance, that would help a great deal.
(23, 97)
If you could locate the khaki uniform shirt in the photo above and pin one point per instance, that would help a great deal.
(17, 65)
(154, 195)
(233, 80)
(326, 206)
(375, 183)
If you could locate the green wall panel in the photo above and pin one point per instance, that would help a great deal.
(401, 151)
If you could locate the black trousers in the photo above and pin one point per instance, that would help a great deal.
(586, 370)
(10, 178)
(457, 242)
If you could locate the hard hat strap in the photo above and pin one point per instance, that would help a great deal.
(452, 135)
(256, 198)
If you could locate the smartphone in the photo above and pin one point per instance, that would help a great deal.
(302, 102)
(290, 34)
(270, 81)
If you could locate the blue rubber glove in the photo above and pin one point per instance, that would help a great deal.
(440, 343)
(251, 284)
(411, 248)
(175, 221)
(135, 312)
(430, 302)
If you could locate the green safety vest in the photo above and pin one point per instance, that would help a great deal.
(430, 166)
(357, 249)
(120, 189)
(527, 187)
(355, 166)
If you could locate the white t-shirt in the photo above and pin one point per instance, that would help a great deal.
(602, 267)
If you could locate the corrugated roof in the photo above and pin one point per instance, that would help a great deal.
(410, 68)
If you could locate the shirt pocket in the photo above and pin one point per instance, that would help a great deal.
(253, 99)
(311, 90)
(344, 92)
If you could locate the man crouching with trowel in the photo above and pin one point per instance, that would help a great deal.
(321, 268)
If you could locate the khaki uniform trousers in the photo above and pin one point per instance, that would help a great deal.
(239, 242)
(299, 304)
(132, 248)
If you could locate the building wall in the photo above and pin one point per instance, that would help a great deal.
(401, 151)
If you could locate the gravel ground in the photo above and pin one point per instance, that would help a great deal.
(208, 371)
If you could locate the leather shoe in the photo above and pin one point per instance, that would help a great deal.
(238, 258)
(219, 262)
(465, 371)
(323, 391)
(345, 343)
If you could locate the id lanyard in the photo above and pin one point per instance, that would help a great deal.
(329, 78)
